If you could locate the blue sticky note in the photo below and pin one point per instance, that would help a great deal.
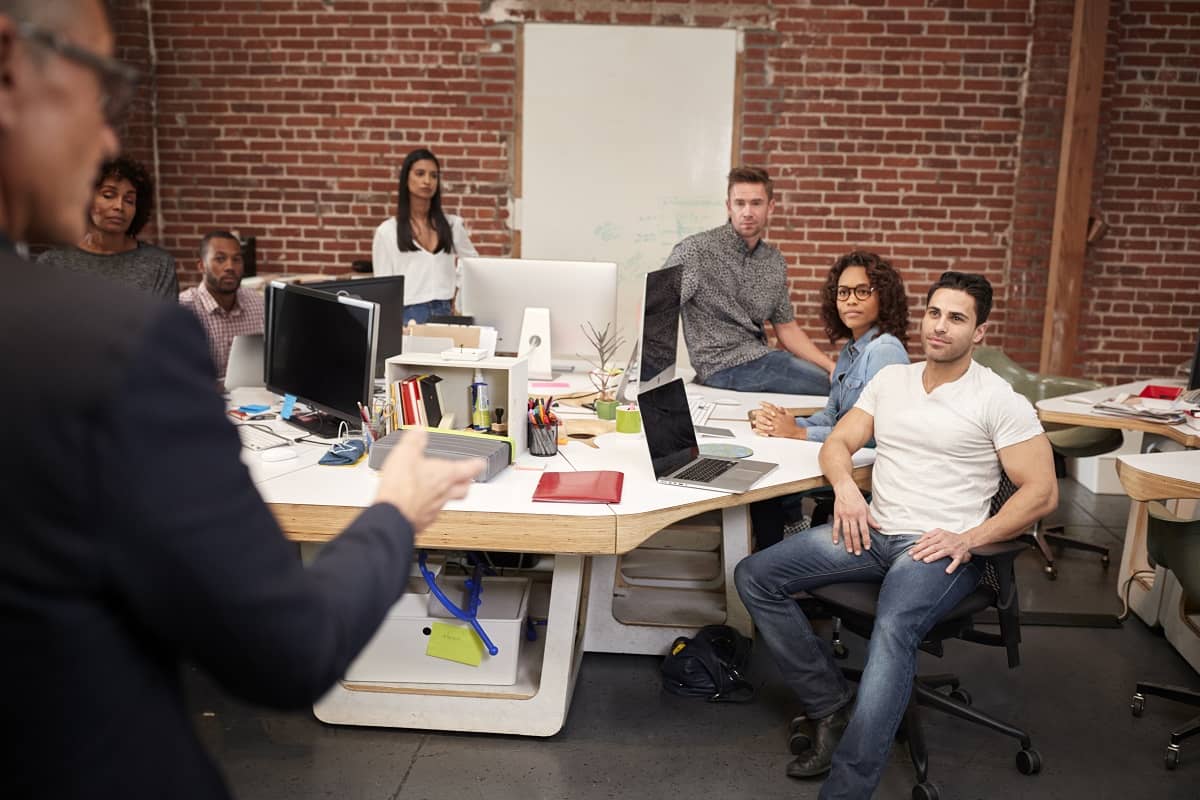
(289, 403)
(257, 408)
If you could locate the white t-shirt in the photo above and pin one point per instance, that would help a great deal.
(936, 462)
(427, 276)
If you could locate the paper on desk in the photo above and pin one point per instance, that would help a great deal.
(454, 644)
(1139, 408)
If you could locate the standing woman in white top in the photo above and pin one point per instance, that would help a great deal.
(421, 242)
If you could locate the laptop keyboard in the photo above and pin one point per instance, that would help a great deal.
(700, 409)
(704, 470)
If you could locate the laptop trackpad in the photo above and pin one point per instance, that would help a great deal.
(749, 475)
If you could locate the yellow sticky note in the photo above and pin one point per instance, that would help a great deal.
(455, 644)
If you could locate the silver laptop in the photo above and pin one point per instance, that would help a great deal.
(676, 456)
(245, 366)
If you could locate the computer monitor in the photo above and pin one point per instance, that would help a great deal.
(1194, 378)
(496, 291)
(659, 340)
(388, 293)
(320, 347)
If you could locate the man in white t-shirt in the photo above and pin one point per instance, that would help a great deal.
(944, 429)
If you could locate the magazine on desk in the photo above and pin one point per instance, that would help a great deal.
(1147, 409)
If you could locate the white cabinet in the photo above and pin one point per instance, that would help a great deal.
(507, 380)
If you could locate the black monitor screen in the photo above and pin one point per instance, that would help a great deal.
(388, 292)
(660, 327)
(1194, 379)
(321, 348)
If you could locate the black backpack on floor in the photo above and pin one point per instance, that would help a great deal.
(709, 665)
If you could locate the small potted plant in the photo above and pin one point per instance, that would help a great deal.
(604, 374)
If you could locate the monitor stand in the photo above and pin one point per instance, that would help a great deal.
(323, 426)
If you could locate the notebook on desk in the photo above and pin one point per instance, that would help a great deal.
(675, 454)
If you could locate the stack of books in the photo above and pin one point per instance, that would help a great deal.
(417, 400)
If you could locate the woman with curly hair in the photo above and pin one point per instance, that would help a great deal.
(863, 301)
(120, 208)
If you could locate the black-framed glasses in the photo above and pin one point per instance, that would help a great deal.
(118, 81)
(862, 292)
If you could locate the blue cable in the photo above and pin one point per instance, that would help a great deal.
(474, 587)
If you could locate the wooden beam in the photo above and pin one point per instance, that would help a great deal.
(1060, 331)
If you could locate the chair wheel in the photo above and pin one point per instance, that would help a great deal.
(1051, 572)
(1138, 705)
(926, 791)
(1029, 762)
(840, 651)
(1171, 759)
(962, 696)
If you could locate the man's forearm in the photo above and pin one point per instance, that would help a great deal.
(836, 464)
(1030, 503)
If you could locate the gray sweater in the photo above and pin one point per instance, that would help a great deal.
(146, 267)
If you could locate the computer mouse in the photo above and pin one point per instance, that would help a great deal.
(285, 453)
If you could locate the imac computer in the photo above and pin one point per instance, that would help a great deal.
(388, 293)
(659, 340)
(496, 292)
(320, 348)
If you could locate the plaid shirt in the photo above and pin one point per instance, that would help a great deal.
(220, 325)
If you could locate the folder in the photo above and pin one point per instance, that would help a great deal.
(589, 486)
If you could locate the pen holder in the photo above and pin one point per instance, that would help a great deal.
(543, 439)
(629, 420)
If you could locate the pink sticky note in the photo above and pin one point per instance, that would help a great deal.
(550, 385)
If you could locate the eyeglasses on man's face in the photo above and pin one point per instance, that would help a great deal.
(862, 292)
(117, 81)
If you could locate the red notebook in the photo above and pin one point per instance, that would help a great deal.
(594, 486)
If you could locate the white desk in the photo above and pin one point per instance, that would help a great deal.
(1075, 409)
(314, 503)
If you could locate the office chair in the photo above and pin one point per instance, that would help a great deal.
(856, 605)
(1068, 441)
(1174, 544)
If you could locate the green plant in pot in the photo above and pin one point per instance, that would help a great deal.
(604, 375)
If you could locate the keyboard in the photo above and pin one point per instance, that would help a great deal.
(704, 470)
(257, 437)
(1191, 396)
(700, 409)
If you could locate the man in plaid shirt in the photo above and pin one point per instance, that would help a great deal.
(224, 308)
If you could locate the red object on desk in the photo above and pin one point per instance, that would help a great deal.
(589, 486)
(1153, 392)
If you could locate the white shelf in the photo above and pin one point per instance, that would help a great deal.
(507, 380)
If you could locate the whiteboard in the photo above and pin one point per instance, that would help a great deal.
(626, 140)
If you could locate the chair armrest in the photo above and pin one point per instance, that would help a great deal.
(1000, 556)
(1000, 550)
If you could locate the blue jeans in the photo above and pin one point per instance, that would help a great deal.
(777, 371)
(913, 597)
(421, 312)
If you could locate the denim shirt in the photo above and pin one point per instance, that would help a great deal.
(856, 365)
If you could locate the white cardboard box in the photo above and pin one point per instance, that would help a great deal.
(396, 654)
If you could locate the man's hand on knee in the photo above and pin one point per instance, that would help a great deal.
(937, 544)
(852, 520)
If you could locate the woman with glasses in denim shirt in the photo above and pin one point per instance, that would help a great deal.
(863, 301)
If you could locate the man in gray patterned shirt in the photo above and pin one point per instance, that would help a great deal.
(732, 282)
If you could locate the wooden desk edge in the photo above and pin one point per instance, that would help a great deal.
(467, 530)
(1143, 486)
(603, 534)
(1121, 424)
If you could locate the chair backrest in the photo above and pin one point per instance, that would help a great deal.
(1174, 544)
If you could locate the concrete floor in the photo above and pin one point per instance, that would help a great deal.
(626, 738)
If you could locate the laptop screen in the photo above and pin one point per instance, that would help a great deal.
(668, 426)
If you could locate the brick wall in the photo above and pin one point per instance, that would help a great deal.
(925, 129)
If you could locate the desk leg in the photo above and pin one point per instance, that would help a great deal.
(735, 545)
(481, 709)
(1145, 591)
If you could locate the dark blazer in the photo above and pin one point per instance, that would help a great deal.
(131, 539)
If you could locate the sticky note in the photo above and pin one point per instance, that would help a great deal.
(289, 403)
(454, 644)
(257, 408)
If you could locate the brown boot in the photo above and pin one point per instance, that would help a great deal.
(827, 732)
